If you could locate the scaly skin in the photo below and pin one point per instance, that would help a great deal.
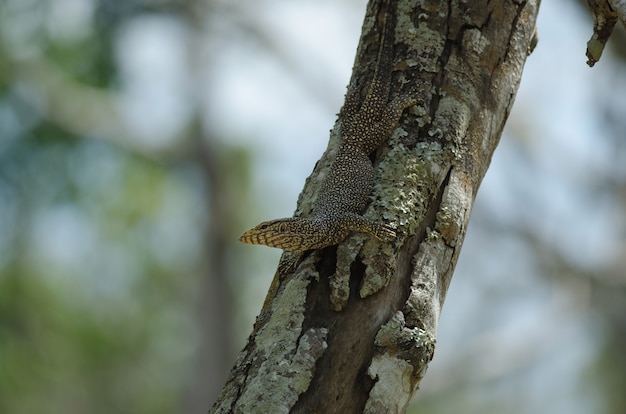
(345, 191)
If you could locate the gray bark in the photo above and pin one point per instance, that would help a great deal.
(353, 330)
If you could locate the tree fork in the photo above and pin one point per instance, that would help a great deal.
(354, 328)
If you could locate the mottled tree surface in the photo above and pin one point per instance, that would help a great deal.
(353, 329)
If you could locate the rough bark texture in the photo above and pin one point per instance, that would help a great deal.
(605, 14)
(354, 328)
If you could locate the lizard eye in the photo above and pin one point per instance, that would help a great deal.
(263, 226)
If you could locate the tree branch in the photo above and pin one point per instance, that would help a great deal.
(354, 328)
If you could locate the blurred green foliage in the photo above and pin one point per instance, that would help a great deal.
(99, 245)
(88, 304)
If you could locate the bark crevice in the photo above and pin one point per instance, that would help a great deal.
(371, 354)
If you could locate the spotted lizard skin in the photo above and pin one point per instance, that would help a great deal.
(346, 189)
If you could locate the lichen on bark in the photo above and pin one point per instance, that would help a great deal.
(354, 328)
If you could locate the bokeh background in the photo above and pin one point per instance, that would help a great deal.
(138, 139)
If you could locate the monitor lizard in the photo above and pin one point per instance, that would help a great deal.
(346, 189)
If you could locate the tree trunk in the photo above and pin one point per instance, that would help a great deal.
(353, 329)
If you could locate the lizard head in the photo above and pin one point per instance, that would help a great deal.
(293, 234)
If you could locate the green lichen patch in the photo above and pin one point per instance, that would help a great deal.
(447, 226)
(286, 358)
(432, 235)
(451, 121)
(381, 262)
(393, 385)
(405, 183)
(426, 42)
(421, 114)
(413, 345)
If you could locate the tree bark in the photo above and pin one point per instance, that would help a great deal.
(354, 328)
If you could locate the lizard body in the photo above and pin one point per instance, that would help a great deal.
(345, 191)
